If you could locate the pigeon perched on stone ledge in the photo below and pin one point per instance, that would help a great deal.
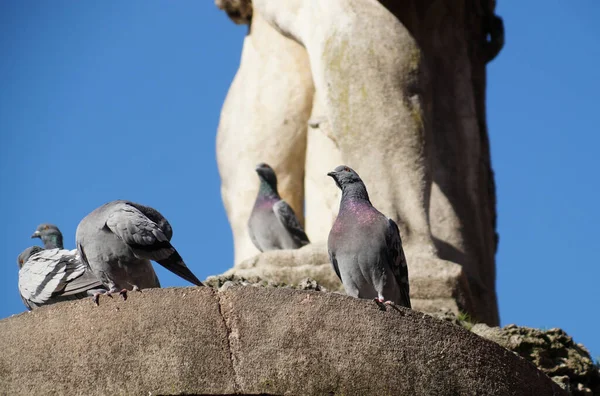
(50, 236)
(48, 276)
(118, 240)
(273, 224)
(364, 246)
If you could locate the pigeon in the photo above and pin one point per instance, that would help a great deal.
(50, 236)
(48, 276)
(273, 224)
(364, 246)
(118, 240)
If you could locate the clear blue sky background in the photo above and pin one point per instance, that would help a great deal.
(121, 99)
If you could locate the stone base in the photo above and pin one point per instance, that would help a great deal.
(291, 266)
(250, 341)
(435, 285)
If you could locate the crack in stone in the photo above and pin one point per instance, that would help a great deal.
(236, 386)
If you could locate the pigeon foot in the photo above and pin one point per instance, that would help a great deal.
(380, 304)
(96, 298)
(108, 293)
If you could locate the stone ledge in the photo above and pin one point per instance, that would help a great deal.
(251, 340)
(435, 285)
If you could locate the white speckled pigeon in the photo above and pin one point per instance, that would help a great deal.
(48, 276)
(118, 240)
(273, 224)
(365, 248)
(50, 236)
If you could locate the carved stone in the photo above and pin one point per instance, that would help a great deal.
(264, 119)
(398, 95)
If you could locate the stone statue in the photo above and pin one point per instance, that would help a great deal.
(394, 89)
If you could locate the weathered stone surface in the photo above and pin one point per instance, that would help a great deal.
(290, 266)
(435, 285)
(552, 351)
(398, 94)
(223, 282)
(252, 340)
(264, 119)
(164, 341)
(322, 198)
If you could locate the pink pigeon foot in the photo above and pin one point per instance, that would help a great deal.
(379, 302)
(96, 298)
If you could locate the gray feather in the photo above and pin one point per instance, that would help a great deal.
(397, 261)
(54, 275)
(142, 235)
(118, 240)
(334, 263)
(287, 218)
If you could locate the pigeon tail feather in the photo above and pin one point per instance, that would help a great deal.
(175, 264)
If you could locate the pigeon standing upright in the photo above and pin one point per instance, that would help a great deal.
(364, 246)
(48, 276)
(50, 236)
(273, 224)
(118, 240)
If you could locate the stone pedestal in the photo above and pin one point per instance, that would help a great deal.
(435, 285)
(395, 90)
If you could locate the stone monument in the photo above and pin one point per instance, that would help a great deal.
(393, 89)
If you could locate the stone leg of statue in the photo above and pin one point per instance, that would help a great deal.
(264, 119)
(391, 102)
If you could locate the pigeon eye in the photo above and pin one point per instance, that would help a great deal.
(20, 261)
(46, 227)
(347, 169)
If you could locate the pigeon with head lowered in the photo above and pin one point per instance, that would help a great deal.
(118, 240)
(48, 276)
(364, 246)
(50, 236)
(273, 224)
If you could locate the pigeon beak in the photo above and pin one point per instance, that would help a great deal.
(331, 174)
(36, 235)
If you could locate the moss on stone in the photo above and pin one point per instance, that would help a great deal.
(552, 351)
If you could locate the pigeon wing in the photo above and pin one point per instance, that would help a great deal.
(143, 236)
(286, 216)
(398, 261)
(79, 278)
(334, 264)
(45, 275)
(147, 240)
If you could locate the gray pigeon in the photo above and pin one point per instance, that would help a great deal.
(50, 236)
(118, 240)
(365, 248)
(273, 224)
(48, 276)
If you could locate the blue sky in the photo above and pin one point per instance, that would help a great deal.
(121, 100)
